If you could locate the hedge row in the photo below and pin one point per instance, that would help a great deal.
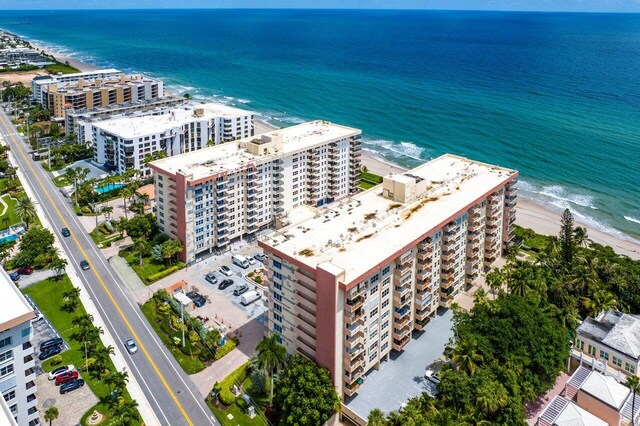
(159, 275)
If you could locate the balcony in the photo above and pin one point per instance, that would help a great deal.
(352, 305)
(401, 313)
(422, 323)
(350, 389)
(354, 330)
(27, 348)
(425, 254)
(356, 342)
(402, 271)
(422, 314)
(352, 361)
(425, 273)
(31, 385)
(400, 344)
(447, 274)
(355, 375)
(424, 285)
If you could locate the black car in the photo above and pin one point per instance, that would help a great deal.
(49, 352)
(197, 298)
(71, 386)
(241, 289)
(225, 284)
(84, 265)
(56, 341)
(65, 232)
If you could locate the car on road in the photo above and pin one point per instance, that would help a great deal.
(225, 270)
(197, 298)
(84, 265)
(66, 377)
(65, 232)
(25, 271)
(211, 278)
(49, 352)
(56, 341)
(432, 376)
(71, 386)
(240, 289)
(260, 257)
(62, 369)
(225, 284)
(131, 346)
(14, 276)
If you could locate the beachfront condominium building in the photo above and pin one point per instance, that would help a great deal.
(125, 143)
(79, 121)
(62, 96)
(609, 341)
(17, 363)
(40, 83)
(353, 282)
(210, 198)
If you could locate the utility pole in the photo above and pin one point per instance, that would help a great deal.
(86, 358)
(26, 114)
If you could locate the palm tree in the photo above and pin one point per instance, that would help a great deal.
(600, 300)
(633, 383)
(127, 192)
(125, 412)
(580, 236)
(101, 354)
(271, 356)
(115, 380)
(72, 297)
(465, 356)
(491, 397)
(51, 414)
(71, 174)
(26, 211)
(141, 246)
(58, 265)
(376, 418)
(494, 280)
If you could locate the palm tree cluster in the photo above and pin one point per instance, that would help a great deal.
(26, 211)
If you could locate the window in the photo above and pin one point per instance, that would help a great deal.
(26, 331)
(374, 334)
(277, 275)
(373, 313)
(617, 361)
(277, 286)
(277, 307)
(592, 351)
(5, 342)
(385, 303)
(386, 270)
(580, 344)
(604, 355)
(630, 368)
(277, 296)
(385, 292)
(6, 356)
(277, 317)
(375, 278)
(277, 328)
(374, 290)
(372, 357)
(385, 335)
(9, 395)
(6, 370)
(277, 264)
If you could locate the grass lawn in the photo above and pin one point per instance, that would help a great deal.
(48, 296)
(61, 181)
(149, 266)
(9, 217)
(190, 364)
(60, 67)
(366, 185)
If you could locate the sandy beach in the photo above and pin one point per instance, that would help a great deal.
(65, 58)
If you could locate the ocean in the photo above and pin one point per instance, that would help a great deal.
(556, 96)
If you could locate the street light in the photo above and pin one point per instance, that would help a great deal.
(26, 114)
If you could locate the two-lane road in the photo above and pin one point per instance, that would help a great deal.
(171, 393)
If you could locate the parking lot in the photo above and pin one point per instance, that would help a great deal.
(72, 405)
(41, 330)
(402, 377)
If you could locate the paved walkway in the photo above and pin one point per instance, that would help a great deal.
(89, 222)
(126, 273)
(536, 408)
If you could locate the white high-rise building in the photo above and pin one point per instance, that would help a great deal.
(212, 197)
(125, 143)
(17, 362)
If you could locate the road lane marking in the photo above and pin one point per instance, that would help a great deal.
(104, 286)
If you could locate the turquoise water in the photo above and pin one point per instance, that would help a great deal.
(8, 238)
(109, 187)
(556, 96)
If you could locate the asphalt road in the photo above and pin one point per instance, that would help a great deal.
(171, 393)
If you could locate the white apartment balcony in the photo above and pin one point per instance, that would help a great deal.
(354, 304)
(356, 342)
(401, 333)
(449, 237)
(401, 313)
(31, 386)
(353, 361)
(27, 349)
(399, 345)
(29, 374)
(421, 324)
(470, 278)
(355, 375)
(421, 315)
(423, 296)
(425, 273)
(425, 254)
(402, 322)
(29, 361)
(402, 271)
(448, 256)
(351, 389)
(354, 330)
(399, 300)
(424, 285)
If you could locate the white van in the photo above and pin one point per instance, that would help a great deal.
(249, 297)
(240, 260)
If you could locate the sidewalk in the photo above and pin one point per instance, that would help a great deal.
(126, 273)
(146, 412)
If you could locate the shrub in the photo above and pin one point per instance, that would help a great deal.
(226, 397)
(157, 276)
(163, 309)
(259, 382)
(258, 279)
(229, 345)
(56, 360)
(242, 404)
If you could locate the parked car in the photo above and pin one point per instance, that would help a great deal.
(131, 346)
(49, 352)
(251, 260)
(25, 271)
(240, 289)
(56, 341)
(38, 315)
(14, 276)
(225, 270)
(197, 298)
(84, 265)
(225, 284)
(211, 277)
(260, 257)
(71, 386)
(66, 377)
(240, 260)
(62, 369)
(249, 297)
(65, 232)
(432, 376)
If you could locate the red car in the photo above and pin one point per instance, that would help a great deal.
(66, 377)
(25, 271)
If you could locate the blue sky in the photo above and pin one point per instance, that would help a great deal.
(537, 5)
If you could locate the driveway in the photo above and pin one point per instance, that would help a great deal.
(71, 406)
(402, 377)
(37, 276)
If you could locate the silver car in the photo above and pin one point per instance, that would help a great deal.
(131, 346)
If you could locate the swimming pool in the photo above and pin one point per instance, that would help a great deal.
(108, 188)
(8, 238)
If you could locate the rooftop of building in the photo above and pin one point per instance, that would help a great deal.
(131, 127)
(616, 330)
(564, 412)
(363, 231)
(160, 103)
(14, 308)
(54, 77)
(231, 156)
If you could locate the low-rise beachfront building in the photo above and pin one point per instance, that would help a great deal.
(79, 121)
(213, 197)
(15, 57)
(611, 340)
(40, 84)
(124, 143)
(351, 284)
(17, 362)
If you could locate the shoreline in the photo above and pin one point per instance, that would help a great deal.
(530, 214)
